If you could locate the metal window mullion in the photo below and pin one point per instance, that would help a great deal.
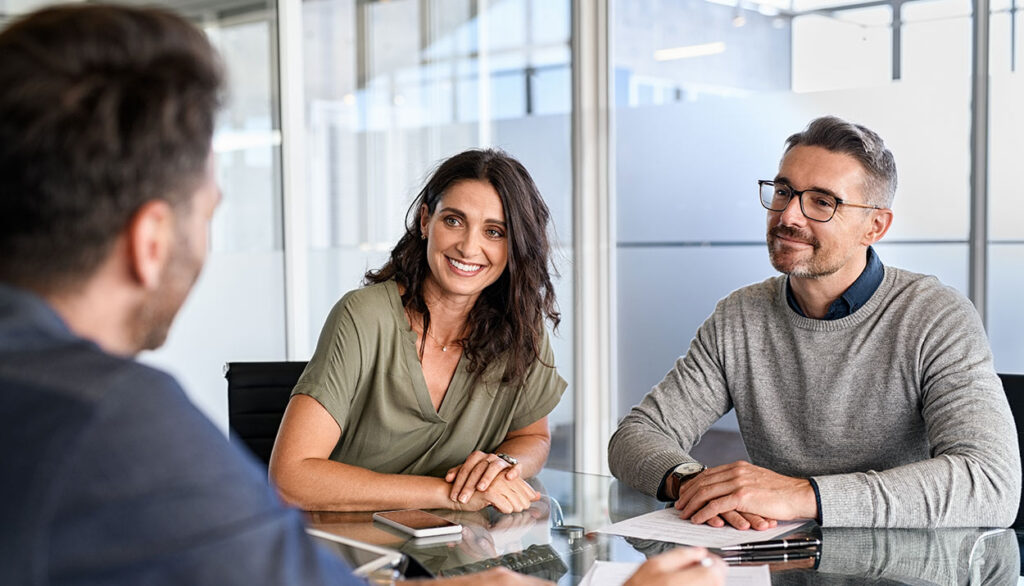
(1013, 35)
(897, 40)
(978, 235)
(293, 172)
(593, 241)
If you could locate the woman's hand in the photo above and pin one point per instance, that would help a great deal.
(477, 543)
(477, 473)
(494, 577)
(482, 539)
(508, 531)
(508, 496)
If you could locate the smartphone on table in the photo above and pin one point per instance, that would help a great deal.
(418, 523)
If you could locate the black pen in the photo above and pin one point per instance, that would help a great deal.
(783, 556)
(774, 544)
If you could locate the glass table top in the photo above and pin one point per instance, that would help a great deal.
(557, 539)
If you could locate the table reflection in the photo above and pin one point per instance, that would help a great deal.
(556, 539)
(916, 556)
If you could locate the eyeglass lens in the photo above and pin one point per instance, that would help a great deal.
(814, 204)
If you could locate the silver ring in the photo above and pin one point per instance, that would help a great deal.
(510, 459)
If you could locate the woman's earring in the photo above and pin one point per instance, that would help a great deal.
(423, 235)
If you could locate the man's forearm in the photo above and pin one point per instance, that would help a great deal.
(640, 455)
(658, 433)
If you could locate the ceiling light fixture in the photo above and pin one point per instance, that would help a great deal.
(688, 51)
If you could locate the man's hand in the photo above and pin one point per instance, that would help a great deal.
(692, 566)
(745, 496)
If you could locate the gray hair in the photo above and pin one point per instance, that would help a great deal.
(839, 136)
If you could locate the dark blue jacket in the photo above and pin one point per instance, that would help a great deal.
(109, 474)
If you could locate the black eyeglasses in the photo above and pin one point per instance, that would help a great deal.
(815, 205)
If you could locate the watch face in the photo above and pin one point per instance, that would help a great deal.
(688, 469)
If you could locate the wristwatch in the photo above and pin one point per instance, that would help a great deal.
(681, 474)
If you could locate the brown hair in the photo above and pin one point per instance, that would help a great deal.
(507, 320)
(103, 108)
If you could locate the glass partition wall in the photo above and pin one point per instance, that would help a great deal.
(1005, 270)
(224, 320)
(393, 88)
(237, 310)
(707, 91)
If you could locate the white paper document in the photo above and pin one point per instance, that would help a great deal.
(665, 525)
(609, 573)
(616, 574)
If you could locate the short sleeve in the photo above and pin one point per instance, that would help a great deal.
(542, 388)
(332, 374)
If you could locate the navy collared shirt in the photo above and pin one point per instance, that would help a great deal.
(855, 296)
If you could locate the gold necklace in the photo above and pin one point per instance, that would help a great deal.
(444, 347)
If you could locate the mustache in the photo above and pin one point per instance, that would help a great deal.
(793, 234)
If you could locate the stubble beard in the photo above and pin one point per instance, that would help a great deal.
(155, 315)
(815, 267)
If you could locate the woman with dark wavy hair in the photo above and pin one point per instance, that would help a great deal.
(431, 385)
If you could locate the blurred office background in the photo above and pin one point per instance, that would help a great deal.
(339, 110)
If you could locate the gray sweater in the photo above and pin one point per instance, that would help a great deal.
(894, 410)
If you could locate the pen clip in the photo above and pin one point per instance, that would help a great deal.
(794, 543)
(774, 556)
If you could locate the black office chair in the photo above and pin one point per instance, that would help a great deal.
(1013, 386)
(258, 393)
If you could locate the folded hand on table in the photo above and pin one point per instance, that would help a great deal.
(745, 496)
(477, 473)
(508, 496)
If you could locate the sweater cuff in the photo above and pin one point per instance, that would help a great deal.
(650, 472)
(845, 501)
(817, 499)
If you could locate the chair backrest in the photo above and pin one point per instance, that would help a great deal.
(258, 393)
(1013, 386)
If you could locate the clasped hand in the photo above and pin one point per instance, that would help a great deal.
(745, 496)
(487, 479)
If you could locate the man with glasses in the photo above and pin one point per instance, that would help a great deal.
(865, 394)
